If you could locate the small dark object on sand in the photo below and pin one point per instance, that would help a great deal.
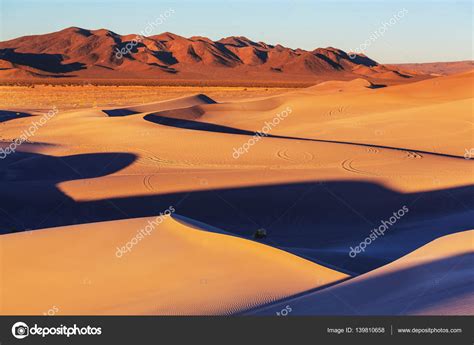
(260, 233)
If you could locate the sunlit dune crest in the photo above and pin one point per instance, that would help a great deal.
(175, 270)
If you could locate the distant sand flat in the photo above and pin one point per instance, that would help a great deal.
(176, 270)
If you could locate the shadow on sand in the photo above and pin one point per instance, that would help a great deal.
(407, 290)
(318, 220)
(11, 115)
(211, 127)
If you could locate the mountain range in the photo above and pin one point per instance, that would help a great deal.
(102, 54)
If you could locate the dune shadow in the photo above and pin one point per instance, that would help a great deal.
(165, 105)
(215, 128)
(377, 86)
(29, 180)
(120, 112)
(317, 220)
(403, 291)
(195, 125)
(6, 115)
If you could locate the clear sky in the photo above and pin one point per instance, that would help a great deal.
(428, 31)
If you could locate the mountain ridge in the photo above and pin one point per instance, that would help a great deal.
(103, 54)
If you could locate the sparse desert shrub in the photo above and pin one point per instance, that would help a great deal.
(260, 234)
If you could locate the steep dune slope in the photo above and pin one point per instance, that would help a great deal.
(174, 270)
(436, 279)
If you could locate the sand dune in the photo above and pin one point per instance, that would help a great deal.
(183, 102)
(343, 159)
(436, 279)
(175, 270)
(393, 116)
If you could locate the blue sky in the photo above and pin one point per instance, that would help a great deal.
(429, 30)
